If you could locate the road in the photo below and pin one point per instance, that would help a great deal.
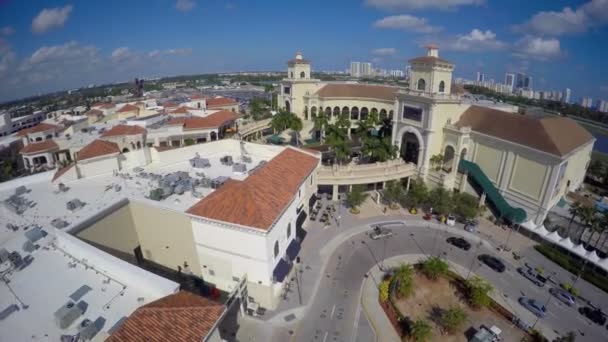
(334, 312)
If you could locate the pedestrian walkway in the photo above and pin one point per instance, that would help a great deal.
(384, 329)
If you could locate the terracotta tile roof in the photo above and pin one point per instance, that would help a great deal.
(555, 135)
(98, 148)
(182, 317)
(176, 121)
(197, 97)
(170, 104)
(41, 146)
(358, 90)
(95, 112)
(182, 110)
(123, 130)
(429, 59)
(220, 101)
(128, 108)
(214, 120)
(41, 127)
(107, 105)
(61, 171)
(259, 200)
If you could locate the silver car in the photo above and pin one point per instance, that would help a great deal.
(534, 306)
(563, 295)
(379, 233)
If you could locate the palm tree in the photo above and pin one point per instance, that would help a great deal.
(441, 200)
(404, 276)
(296, 125)
(574, 211)
(279, 121)
(417, 194)
(587, 215)
(434, 267)
(393, 192)
(421, 331)
(320, 122)
(356, 197)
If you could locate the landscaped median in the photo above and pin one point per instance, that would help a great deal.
(428, 302)
(575, 265)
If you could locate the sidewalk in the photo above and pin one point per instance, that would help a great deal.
(383, 327)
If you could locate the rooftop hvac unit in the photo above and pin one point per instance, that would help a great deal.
(35, 234)
(21, 190)
(200, 163)
(226, 160)
(62, 187)
(179, 189)
(67, 314)
(240, 168)
(89, 329)
(74, 204)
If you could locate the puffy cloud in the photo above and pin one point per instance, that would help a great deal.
(7, 31)
(476, 40)
(421, 4)
(7, 57)
(406, 22)
(50, 18)
(568, 20)
(185, 5)
(537, 48)
(176, 52)
(384, 51)
(122, 54)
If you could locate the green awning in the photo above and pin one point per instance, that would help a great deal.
(276, 139)
(505, 210)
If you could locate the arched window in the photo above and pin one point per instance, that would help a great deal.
(364, 113)
(289, 230)
(302, 74)
(306, 112)
(441, 87)
(313, 112)
(336, 111)
(354, 113)
(345, 111)
(382, 113)
(421, 84)
(390, 114)
(328, 112)
(288, 106)
(276, 248)
(291, 75)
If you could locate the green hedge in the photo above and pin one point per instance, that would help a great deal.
(573, 264)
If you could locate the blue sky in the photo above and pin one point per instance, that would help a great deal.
(53, 45)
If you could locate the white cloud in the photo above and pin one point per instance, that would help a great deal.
(176, 52)
(384, 51)
(537, 48)
(7, 31)
(476, 40)
(421, 4)
(121, 54)
(7, 57)
(406, 22)
(185, 5)
(568, 20)
(50, 18)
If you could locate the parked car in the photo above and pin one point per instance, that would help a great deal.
(534, 306)
(594, 314)
(471, 226)
(379, 232)
(450, 221)
(563, 295)
(459, 242)
(485, 334)
(493, 262)
(533, 276)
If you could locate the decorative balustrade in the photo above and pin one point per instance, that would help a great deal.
(364, 173)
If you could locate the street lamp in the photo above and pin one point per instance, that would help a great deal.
(296, 264)
(474, 258)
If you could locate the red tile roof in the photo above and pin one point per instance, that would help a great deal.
(220, 101)
(170, 104)
(214, 120)
(61, 171)
(41, 127)
(128, 108)
(97, 148)
(182, 110)
(123, 130)
(95, 112)
(259, 200)
(429, 60)
(176, 121)
(197, 97)
(107, 105)
(41, 146)
(182, 317)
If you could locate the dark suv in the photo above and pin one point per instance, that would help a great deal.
(459, 242)
(595, 315)
(493, 262)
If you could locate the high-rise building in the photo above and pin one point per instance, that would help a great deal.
(366, 69)
(523, 81)
(480, 76)
(355, 69)
(408, 69)
(528, 82)
(587, 102)
(603, 106)
(567, 95)
(510, 81)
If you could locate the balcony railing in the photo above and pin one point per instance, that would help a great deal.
(254, 126)
(364, 173)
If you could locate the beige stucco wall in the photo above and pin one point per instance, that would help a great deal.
(165, 236)
(489, 159)
(577, 167)
(115, 232)
(528, 177)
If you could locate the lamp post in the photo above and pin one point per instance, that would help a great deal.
(473, 260)
(296, 264)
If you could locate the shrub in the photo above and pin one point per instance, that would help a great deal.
(384, 290)
(404, 278)
(434, 267)
(479, 292)
(189, 142)
(568, 287)
(452, 319)
(421, 331)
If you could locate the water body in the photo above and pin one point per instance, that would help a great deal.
(601, 143)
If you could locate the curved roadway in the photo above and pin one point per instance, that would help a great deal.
(333, 314)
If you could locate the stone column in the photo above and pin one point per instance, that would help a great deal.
(482, 199)
(335, 192)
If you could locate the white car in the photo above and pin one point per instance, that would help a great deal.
(379, 233)
(451, 221)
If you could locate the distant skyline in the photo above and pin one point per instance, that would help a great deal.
(47, 46)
